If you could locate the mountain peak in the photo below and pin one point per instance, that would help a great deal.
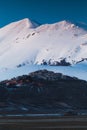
(66, 23)
(73, 24)
(53, 44)
(28, 23)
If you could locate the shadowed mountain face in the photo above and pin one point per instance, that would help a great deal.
(43, 92)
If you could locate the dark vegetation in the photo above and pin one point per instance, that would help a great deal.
(43, 92)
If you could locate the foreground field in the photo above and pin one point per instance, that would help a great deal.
(43, 122)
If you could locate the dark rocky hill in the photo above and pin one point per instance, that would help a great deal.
(43, 92)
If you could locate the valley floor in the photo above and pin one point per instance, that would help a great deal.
(44, 123)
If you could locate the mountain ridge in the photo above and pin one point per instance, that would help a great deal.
(24, 42)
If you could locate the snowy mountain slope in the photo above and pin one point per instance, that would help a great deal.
(25, 42)
(12, 42)
(66, 41)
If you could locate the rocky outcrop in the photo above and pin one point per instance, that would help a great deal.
(50, 76)
(62, 62)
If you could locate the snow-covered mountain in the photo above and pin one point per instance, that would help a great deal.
(26, 42)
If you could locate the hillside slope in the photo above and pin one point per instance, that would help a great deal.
(43, 92)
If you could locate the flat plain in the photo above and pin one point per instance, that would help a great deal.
(43, 123)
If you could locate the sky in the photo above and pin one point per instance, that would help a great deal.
(43, 11)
